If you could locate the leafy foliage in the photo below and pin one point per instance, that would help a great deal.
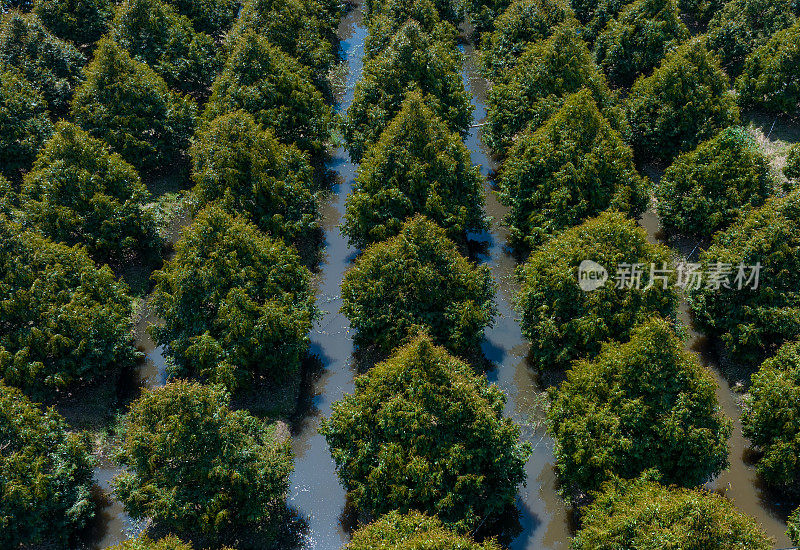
(63, 319)
(792, 168)
(143, 543)
(418, 280)
(771, 76)
(447, 9)
(80, 21)
(793, 526)
(753, 322)
(272, 86)
(412, 531)
(701, 10)
(240, 165)
(236, 304)
(564, 323)
(233, 469)
(155, 34)
(392, 15)
(51, 65)
(685, 101)
(644, 404)
(417, 167)
(81, 192)
(596, 14)
(413, 60)
(636, 41)
(423, 431)
(636, 514)
(704, 190)
(24, 123)
(570, 169)
(212, 17)
(46, 473)
(130, 107)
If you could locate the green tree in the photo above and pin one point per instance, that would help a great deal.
(644, 514)
(640, 405)
(571, 168)
(637, 40)
(46, 474)
(394, 14)
(547, 72)
(565, 323)
(424, 432)
(64, 319)
(417, 167)
(276, 89)
(769, 419)
(24, 123)
(596, 14)
(771, 76)
(704, 190)
(792, 168)
(685, 101)
(752, 323)
(80, 21)
(793, 526)
(52, 66)
(236, 304)
(155, 34)
(143, 543)
(80, 192)
(448, 9)
(131, 108)
(413, 60)
(742, 26)
(415, 280)
(240, 165)
(412, 531)
(701, 10)
(232, 471)
(212, 17)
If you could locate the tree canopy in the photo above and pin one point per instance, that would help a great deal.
(46, 473)
(596, 14)
(233, 469)
(414, 280)
(571, 168)
(80, 192)
(212, 17)
(792, 168)
(80, 21)
(412, 531)
(705, 190)
(644, 514)
(423, 431)
(685, 101)
(418, 166)
(144, 543)
(640, 405)
(563, 322)
(240, 165)
(392, 15)
(130, 107)
(236, 304)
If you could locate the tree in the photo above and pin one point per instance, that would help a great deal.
(571, 168)
(233, 471)
(157, 35)
(742, 26)
(640, 405)
(143, 543)
(80, 21)
(637, 40)
(46, 473)
(685, 101)
(412, 531)
(771, 76)
(236, 304)
(448, 10)
(413, 60)
(240, 165)
(704, 190)
(212, 17)
(753, 322)
(24, 123)
(273, 87)
(547, 72)
(131, 108)
(793, 526)
(415, 280)
(792, 168)
(523, 22)
(52, 66)
(565, 323)
(423, 431)
(701, 10)
(418, 166)
(392, 15)
(596, 14)
(64, 319)
(80, 192)
(644, 514)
